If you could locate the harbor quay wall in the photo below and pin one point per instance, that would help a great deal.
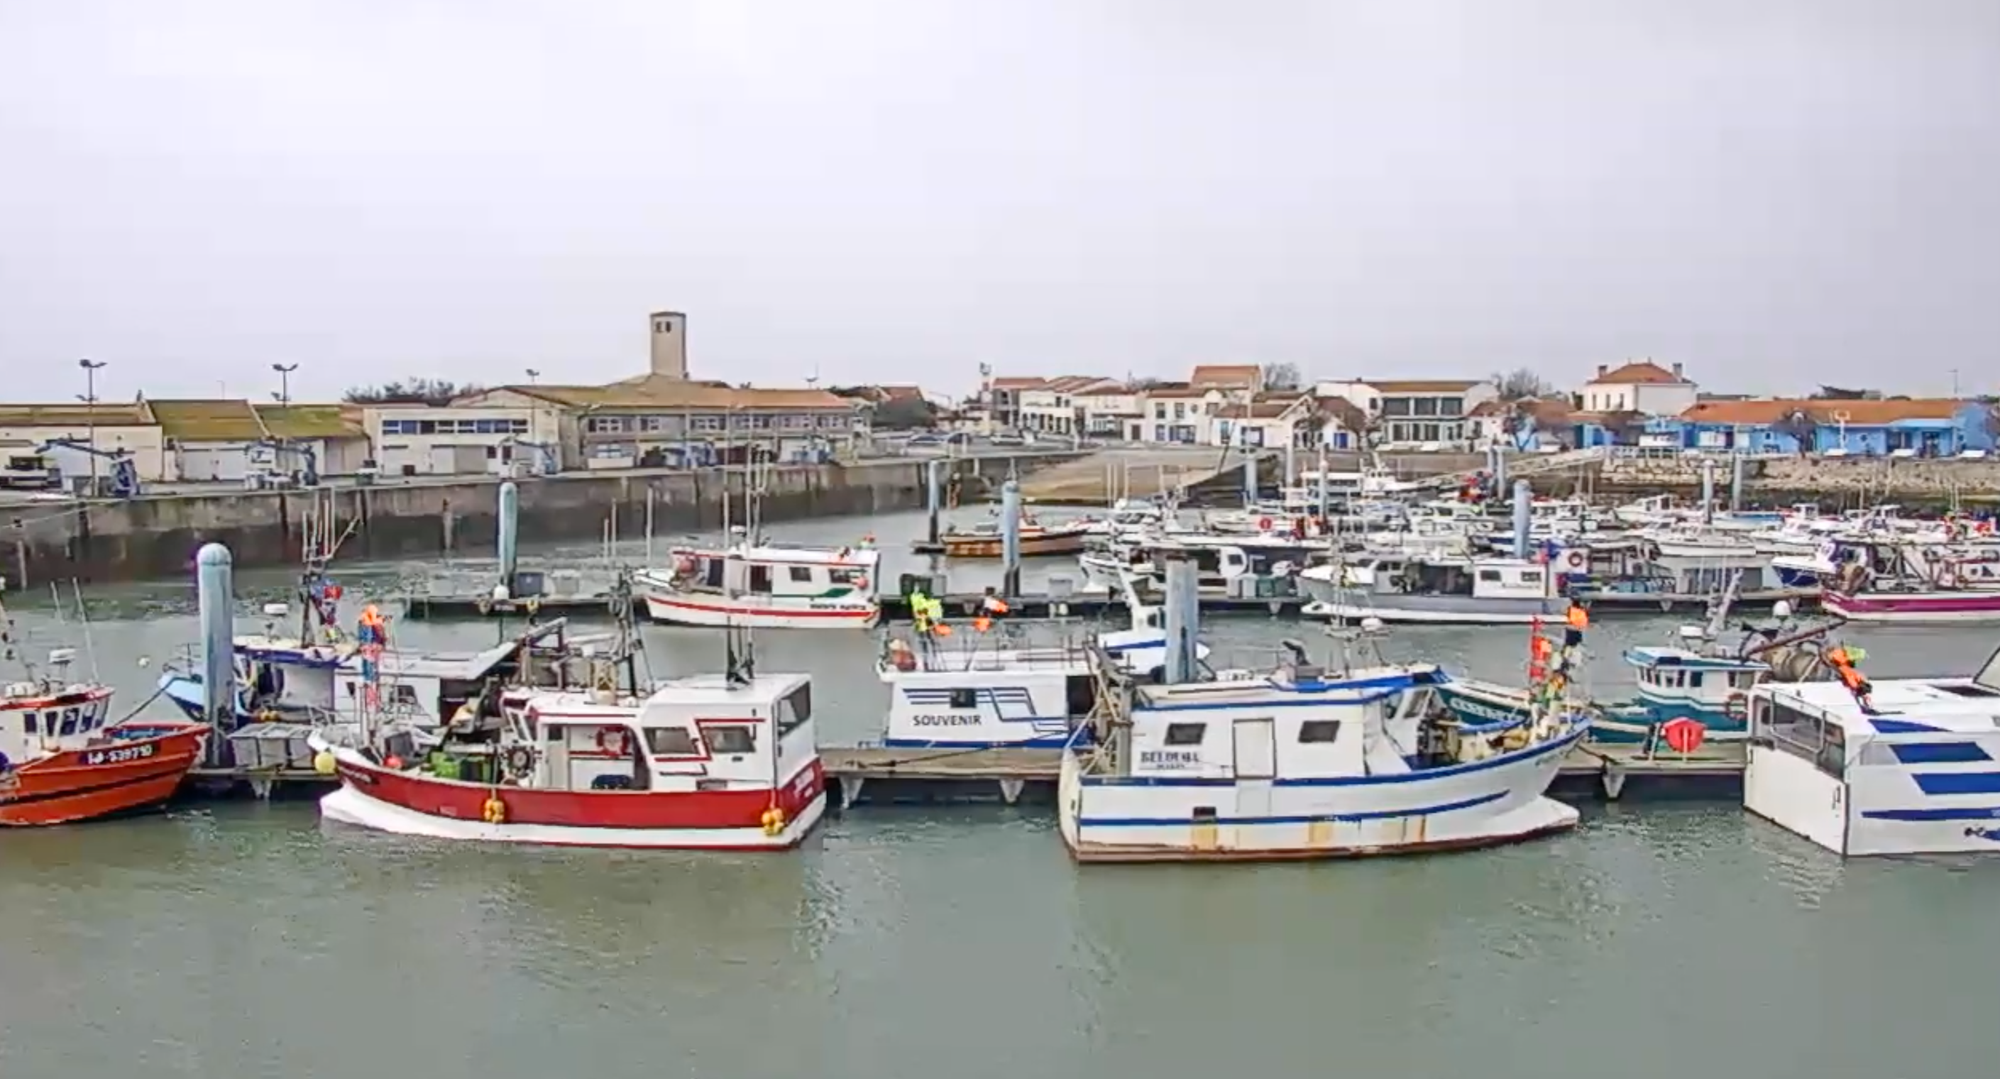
(1918, 483)
(157, 536)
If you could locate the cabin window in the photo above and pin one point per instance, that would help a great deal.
(964, 697)
(69, 721)
(712, 573)
(402, 698)
(802, 574)
(31, 722)
(554, 732)
(795, 709)
(671, 742)
(1531, 576)
(1694, 679)
(1491, 575)
(845, 576)
(1804, 735)
(760, 579)
(1186, 734)
(730, 739)
(1318, 731)
(1204, 814)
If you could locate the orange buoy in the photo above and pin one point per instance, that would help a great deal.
(1684, 735)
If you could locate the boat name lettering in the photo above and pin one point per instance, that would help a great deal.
(946, 721)
(121, 755)
(1171, 758)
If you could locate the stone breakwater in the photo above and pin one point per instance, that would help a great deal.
(157, 536)
(1776, 480)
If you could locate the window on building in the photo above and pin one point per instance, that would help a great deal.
(1424, 406)
(671, 742)
(1451, 406)
(728, 739)
(1186, 734)
(1396, 406)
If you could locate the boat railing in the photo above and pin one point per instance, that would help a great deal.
(969, 649)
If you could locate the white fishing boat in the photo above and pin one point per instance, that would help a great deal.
(766, 586)
(1011, 684)
(1912, 582)
(1437, 589)
(1307, 763)
(1239, 566)
(1898, 766)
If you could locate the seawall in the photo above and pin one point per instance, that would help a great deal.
(157, 535)
(1834, 482)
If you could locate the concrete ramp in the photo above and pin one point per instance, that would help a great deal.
(1138, 472)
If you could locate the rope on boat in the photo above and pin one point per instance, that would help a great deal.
(129, 716)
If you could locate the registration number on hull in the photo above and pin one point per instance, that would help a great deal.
(121, 755)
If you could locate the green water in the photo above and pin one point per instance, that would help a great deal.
(243, 940)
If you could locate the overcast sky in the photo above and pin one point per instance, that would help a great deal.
(1775, 192)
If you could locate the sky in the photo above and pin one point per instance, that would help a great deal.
(1776, 194)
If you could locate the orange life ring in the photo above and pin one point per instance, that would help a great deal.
(1737, 707)
(615, 740)
(1263, 524)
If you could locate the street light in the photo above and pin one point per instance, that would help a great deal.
(533, 375)
(89, 399)
(284, 371)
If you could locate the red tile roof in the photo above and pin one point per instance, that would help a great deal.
(1639, 373)
(1226, 374)
(1019, 383)
(1863, 413)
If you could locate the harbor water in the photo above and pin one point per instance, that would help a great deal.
(244, 939)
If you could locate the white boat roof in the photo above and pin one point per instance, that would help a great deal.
(1671, 656)
(1332, 687)
(836, 556)
(714, 689)
(1903, 705)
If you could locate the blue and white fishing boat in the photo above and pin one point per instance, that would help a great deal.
(1701, 679)
(1304, 763)
(1903, 766)
(1013, 684)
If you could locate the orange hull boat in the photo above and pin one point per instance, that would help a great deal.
(112, 775)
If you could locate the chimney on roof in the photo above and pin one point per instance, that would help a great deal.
(1677, 371)
(1603, 369)
(670, 357)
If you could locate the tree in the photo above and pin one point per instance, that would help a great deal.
(436, 392)
(1624, 426)
(1842, 393)
(904, 413)
(1282, 376)
(1521, 383)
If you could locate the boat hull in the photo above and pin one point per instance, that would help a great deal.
(746, 613)
(412, 803)
(1351, 605)
(1621, 723)
(1032, 546)
(1914, 607)
(119, 776)
(1479, 804)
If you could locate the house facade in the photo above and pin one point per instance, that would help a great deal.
(1639, 386)
(1267, 420)
(1003, 398)
(1419, 411)
(669, 423)
(467, 439)
(1058, 406)
(131, 428)
(1933, 427)
(1175, 414)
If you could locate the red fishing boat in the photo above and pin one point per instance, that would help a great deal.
(62, 761)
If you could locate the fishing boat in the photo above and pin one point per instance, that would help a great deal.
(1437, 589)
(1010, 683)
(1704, 678)
(709, 762)
(1890, 767)
(1036, 540)
(766, 586)
(1913, 583)
(1307, 763)
(1249, 566)
(63, 759)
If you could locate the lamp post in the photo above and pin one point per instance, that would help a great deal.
(89, 398)
(533, 375)
(284, 371)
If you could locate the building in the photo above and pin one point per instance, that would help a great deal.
(1238, 381)
(218, 440)
(458, 439)
(1056, 407)
(335, 435)
(665, 422)
(1175, 414)
(131, 428)
(1413, 411)
(1909, 427)
(1108, 408)
(1641, 386)
(1004, 398)
(669, 358)
(1269, 419)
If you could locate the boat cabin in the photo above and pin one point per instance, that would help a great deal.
(1907, 770)
(1707, 684)
(284, 679)
(701, 733)
(37, 718)
(1480, 578)
(786, 572)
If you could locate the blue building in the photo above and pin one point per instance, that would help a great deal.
(1924, 428)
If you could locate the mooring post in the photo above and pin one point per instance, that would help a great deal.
(1010, 538)
(1183, 617)
(934, 494)
(215, 603)
(1524, 500)
(510, 533)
